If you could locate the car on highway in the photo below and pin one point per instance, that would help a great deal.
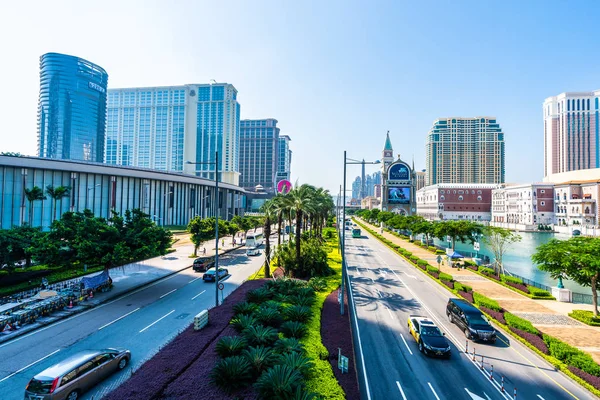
(71, 377)
(470, 320)
(253, 252)
(203, 264)
(431, 340)
(209, 276)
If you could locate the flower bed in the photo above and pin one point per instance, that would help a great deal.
(518, 286)
(467, 296)
(149, 381)
(449, 284)
(497, 315)
(534, 340)
(434, 274)
(589, 378)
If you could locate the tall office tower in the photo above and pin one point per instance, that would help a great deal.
(284, 159)
(165, 127)
(372, 180)
(420, 179)
(259, 154)
(71, 108)
(465, 150)
(356, 187)
(571, 132)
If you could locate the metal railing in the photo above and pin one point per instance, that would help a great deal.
(529, 281)
(582, 298)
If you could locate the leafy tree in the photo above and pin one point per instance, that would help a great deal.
(10, 154)
(267, 209)
(385, 216)
(34, 194)
(299, 199)
(56, 194)
(20, 241)
(576, 259)
(204, 229)
(424, 227)
(458, 230)
(499, 240)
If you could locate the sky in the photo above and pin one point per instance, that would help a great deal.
(337, 75)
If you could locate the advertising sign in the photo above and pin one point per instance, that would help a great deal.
(284, 186)
(399, 172)
(399, 195)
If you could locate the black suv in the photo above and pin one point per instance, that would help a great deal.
(203, 264)
(468, 318)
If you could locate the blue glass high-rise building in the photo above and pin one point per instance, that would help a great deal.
(71, 109)
(259, 151)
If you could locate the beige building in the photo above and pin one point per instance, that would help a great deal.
(523, 207)
(369, 203)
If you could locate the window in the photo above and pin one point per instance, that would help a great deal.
(461, 192)
(443, 192)
(479, 192)
(68, 377)
(542, 191)
(85, 368)
(543, 203)
(460, 198)
(472, 192)
(442, 198)
(102, 358)
(479, 198)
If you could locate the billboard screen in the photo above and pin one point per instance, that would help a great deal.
(399, 195)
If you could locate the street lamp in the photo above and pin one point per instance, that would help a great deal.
(346, 162)
(216, 164)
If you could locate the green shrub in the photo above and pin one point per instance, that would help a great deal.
(586, 363)
(445, 277)
(318, 284)
(272, 304)
(440, 252)
(414, 259)
(259, 295)
(244, 308)
(303, 394)
(520, 323)
(230, 346)
(483, 301)
(288, 345)
(487, 271)
(257, 335)
(260, 358)
(432, 248)
(462, 287)
(511, 279)
(242, 322)
(472, 263)
(537, 292)
(587, 317)
(302, 301)
(433, 269)
(298, 362)
(294, 329)
(231, 373)
(269, 316)
(561, 350)
(298, 313)
(278, 382)
(423, 263)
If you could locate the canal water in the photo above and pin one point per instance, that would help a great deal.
(517, 259)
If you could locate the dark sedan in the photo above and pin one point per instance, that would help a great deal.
(209, 276)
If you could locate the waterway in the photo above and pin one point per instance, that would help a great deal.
(517, 259)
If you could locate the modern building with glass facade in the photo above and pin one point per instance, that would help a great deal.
(284, 159)
(169, 198)
(465, 150)
(259, 152)
(571, 132)
(165, 127)
(71, 108)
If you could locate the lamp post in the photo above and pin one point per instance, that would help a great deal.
(216, 164)
(346, 162)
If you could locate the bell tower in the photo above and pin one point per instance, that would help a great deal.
(388, 153)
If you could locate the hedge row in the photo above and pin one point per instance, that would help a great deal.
(483, 301)
(587, 317)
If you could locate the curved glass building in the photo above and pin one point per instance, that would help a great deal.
(72, 108)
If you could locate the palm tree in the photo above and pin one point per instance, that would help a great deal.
(300, 200)
(268, 210)
(57, 193)
(33, 194)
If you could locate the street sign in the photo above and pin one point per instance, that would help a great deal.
(342, 362)
(221, 286)
(439, 259)
(448, 239)
(476, 246)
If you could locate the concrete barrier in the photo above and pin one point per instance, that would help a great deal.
(201, 320)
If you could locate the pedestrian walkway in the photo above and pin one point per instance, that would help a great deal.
(548, 315)
(128, 278)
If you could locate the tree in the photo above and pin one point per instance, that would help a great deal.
(204, 229)
(34, 194)
(57, 193)
(267, 209)
(458, 230)
(300, 201)
(499, 240)
(575, 259)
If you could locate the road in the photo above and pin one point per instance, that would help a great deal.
(386, 289)
(142, 321)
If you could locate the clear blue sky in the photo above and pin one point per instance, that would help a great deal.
(336, 74)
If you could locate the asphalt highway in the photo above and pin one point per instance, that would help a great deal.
(386, 290)
(142, 321)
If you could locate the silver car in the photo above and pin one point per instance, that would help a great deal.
(71, 377)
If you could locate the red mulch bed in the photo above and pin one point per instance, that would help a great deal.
(171, 363)
(336, 333)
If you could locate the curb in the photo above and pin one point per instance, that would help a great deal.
(22, 331)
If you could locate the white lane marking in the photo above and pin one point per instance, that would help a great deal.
(158, 320)
(412, 276)
(540, 397)
(400, 389)
(389, 312)
(434, 393)
(27, 366)
(112, 322)
(362, 356)
(194, 280)
(198, 294)
(406, 344)
(62, 321)
(168, 293)
(474, 396)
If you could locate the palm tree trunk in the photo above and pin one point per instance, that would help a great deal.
(279, 221)
(298, 234)
(267, 247)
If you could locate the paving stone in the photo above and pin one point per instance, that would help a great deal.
(548, 319)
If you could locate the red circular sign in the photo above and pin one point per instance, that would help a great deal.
(284, 186)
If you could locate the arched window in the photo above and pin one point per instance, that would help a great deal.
(460, 198)
(479, 198)
(442, 198)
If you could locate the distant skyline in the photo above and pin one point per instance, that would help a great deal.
(336, 75)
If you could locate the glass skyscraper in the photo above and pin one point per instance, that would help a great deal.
(163, 127)
(71, 108)
(259, 142)
(284, 158)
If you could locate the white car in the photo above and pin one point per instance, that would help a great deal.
(253, 252)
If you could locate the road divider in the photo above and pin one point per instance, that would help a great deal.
(118, 319)
(158, 320)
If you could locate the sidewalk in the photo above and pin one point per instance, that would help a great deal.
(550, 316)
(128, 278)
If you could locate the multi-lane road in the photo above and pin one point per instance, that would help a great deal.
(141, 321)
(386, 290)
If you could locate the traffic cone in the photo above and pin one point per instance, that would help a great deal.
(7, 328)
(70, 303)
